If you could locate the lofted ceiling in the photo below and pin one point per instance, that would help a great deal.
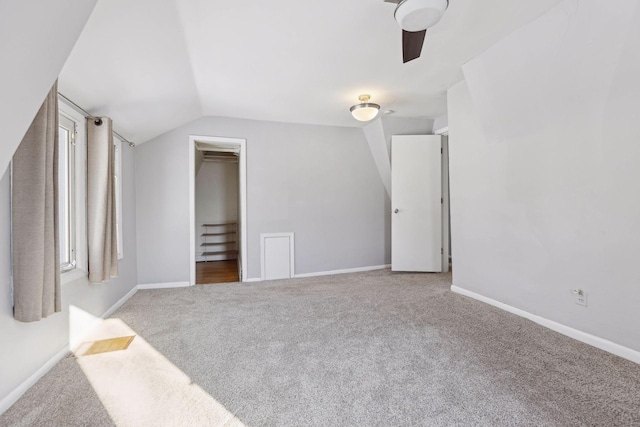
(153, 65)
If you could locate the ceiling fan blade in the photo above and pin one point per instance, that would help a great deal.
(392, 1)
(412, 45)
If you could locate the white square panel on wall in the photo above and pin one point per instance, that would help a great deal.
(277, 256)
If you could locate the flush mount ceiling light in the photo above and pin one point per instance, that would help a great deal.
(418, 15)
(365, 111)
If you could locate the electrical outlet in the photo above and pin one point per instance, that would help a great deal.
(580, 297)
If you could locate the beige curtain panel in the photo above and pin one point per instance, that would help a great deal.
(34, 217)
(101, 206)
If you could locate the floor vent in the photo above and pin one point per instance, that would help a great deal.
(107, 346)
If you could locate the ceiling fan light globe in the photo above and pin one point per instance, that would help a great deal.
(365, 112)
(418, 15)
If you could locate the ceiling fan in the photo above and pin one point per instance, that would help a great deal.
(415, 17)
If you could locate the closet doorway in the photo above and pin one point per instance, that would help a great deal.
(218, 209)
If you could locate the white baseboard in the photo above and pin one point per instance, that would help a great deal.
(120, 303)
(79, 338)
(164, 285)
(26, 385)
(29, 382)
(584, 337)
(347, 270)
(331, 272)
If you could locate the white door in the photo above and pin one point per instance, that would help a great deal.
(416, 203)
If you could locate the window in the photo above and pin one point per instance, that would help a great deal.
(67, 131)
(72, 189)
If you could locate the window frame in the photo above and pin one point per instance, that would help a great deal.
(78, 207)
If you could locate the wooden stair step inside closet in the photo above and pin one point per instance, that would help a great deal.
(217, 234)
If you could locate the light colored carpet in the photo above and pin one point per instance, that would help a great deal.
(369, 349)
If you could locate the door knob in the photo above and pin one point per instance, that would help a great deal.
(396, 211)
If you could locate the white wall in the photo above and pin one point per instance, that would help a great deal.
(28, 346)
(217, 190)
(378, 134)
(380, 150)
(404, 126)
(544, 159)
(440, 122)
(317, 181)
(37, 37)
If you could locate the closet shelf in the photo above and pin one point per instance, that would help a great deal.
(226, 248)
(217, 243)
(230, 252)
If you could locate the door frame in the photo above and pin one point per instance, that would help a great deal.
(242, 168)
(446, 199)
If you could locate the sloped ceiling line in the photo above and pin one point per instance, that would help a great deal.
(164, 63)
(374, 133)
(34, 49)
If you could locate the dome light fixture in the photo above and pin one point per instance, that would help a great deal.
(365, 111)
(418, 15)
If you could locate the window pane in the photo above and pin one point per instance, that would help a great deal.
(63, 195)
(66, 192)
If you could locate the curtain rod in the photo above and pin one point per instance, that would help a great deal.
(91, 116)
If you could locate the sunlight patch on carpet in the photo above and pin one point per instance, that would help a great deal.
(141, 387)
(106, 346)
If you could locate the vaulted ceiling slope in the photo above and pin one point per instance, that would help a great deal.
(153, 65)
(33, 49)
